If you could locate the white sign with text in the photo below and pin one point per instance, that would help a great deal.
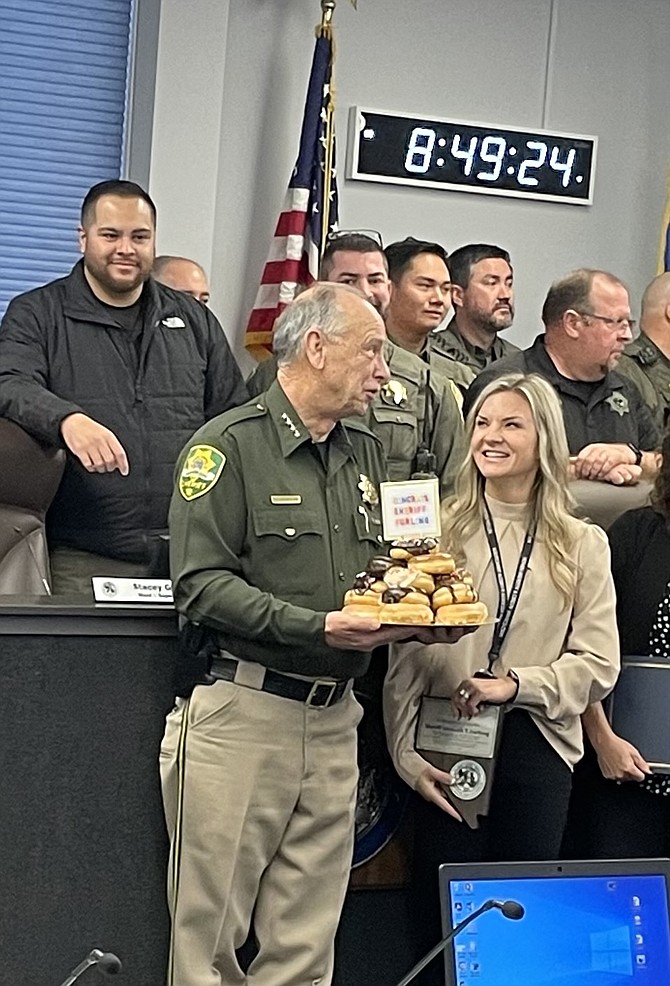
(411, 509)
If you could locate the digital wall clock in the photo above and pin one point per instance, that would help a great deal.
(459, 156)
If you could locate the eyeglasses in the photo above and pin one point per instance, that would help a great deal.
(341, 234)
(620, 323)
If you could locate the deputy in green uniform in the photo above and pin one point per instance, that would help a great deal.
(646, 360)
(482, 293)
(420, 300)
(417, 413)
(276, 511)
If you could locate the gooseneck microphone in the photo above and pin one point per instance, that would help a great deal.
(107, 963)
(510, 908)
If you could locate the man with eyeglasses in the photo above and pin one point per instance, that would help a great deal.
(416, 417)
(275, 510)
(611, 433)
(646, 360)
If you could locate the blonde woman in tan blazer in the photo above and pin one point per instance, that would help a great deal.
(560, 652)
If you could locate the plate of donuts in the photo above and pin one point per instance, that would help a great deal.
(417, 585)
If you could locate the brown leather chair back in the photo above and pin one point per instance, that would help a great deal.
(29, 477)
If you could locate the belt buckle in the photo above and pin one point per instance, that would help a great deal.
(331, 685)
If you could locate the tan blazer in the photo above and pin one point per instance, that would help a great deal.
(565, 657)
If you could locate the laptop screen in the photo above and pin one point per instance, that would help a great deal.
(585, 924)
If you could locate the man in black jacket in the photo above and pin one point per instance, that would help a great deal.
(120, 371)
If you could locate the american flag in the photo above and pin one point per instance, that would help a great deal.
(309, 212)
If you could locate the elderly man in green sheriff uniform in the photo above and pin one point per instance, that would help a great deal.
(275, 512)
(646, 360)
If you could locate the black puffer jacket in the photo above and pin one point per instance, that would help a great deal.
(61, 352)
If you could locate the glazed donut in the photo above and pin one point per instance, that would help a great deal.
(458, 614)
(451, 595)
(439, 563)
(405, 613)
(363, 609)
(368, 598)
(422, 581)
(379, 587)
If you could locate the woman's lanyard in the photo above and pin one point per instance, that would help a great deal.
(506, 603)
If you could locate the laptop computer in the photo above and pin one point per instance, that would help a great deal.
(603, 923)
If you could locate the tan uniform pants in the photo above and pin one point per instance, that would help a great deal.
(260, 812)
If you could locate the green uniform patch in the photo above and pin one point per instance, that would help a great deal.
(203, 466)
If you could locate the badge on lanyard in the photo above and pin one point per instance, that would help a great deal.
(467, 748)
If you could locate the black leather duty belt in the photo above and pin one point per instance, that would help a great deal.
(317, 694)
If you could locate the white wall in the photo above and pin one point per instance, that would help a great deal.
(232, 76)
(184, 177)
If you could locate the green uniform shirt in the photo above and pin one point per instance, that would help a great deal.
(413, 408)
(450, 343)
(458, 374)
(649, 369)
(265, 539)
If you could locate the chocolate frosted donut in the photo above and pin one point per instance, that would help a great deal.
(380, 564)
(452, 578)
(395, 595)
(412, 546)
(457, 592)
(364, 581)
(410, 597)
(359, 597)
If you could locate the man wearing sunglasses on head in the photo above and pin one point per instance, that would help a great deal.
(416, 417)
(611, 433)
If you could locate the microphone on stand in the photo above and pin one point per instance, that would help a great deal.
(510, 908)
(107, 963)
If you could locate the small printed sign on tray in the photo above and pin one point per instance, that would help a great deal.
(411, 509)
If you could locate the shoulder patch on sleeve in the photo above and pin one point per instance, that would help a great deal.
(202, 467)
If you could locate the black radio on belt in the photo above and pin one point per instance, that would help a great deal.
(426, 465)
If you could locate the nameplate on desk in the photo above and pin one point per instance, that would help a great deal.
(113, 590)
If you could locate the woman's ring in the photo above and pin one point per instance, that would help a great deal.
(464, 693)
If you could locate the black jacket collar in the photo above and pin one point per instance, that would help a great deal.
(81, 303)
